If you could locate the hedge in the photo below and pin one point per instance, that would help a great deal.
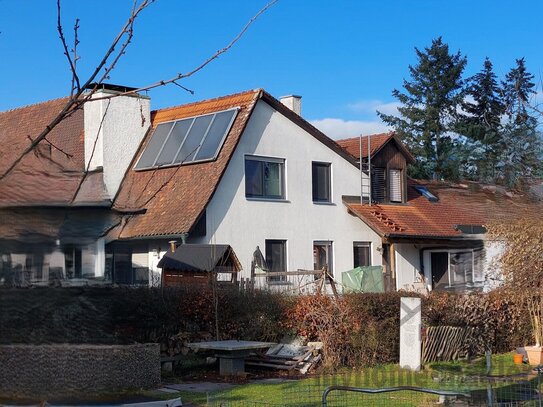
(357, 329)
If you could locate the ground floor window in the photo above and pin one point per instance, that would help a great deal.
(276, 258)
(361, 254)
(323, 256)
(457, 268)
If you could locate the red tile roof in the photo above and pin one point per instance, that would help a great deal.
(377, 141)
(175, 197)
(459, 204)
(45, 176)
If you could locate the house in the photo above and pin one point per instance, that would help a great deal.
(244, 170)
(55, 206)
(267, 178)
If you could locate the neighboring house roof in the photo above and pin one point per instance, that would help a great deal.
(46, 176)
(174, 198)
(376, 141)
(418, 218)
(199, 257)
(468, 203)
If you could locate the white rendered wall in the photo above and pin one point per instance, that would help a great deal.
(244, 223)
(407, 265)
(114, 129)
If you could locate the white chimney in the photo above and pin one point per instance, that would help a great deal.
(293, 102)
(114, 129)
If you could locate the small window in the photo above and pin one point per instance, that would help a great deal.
(321, 182)
(362, 254)
(323, 256)
(72, 262)
(395, 185)
(276, 258)
(264, 178)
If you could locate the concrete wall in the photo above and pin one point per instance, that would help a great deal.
(114, 129)
(245, 223)
(42, 372)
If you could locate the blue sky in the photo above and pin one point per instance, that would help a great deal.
(343, 57)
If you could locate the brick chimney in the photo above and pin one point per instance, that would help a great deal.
(293, 102)
(114, 129)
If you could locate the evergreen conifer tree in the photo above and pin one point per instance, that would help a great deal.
(522, 143)
(429, 110)
(483, 123)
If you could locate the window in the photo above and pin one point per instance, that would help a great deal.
(264, 178)
(457, 268)
(321, 182)
(276, 258)
(322, 256)
(395, 185)
(378, 184)
(72, 262)
(362, 254)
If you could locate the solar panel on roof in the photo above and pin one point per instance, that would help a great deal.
(188, 140)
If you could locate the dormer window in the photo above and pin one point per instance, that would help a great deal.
(387, 185)
(395, 185)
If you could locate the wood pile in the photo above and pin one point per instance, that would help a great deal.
(289, 357)
(446, 343)
(174, 348)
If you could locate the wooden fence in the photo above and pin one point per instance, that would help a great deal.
(445, 343)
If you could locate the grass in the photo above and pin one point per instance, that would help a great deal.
(307, 392)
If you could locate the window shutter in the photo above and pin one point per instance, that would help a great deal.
(378, 184)
(395, 185)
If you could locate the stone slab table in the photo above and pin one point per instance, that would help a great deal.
(231, 354)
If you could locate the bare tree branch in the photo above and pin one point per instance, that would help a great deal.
(75, 78)
(77, 98)
(216, 55)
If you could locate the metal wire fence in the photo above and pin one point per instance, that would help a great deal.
(341, 391)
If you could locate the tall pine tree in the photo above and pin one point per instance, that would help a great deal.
(482, 124)
(429, 110)
(520, 158)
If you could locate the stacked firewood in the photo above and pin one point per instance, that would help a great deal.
(174, 348)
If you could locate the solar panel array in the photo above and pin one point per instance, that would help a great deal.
(187, 141)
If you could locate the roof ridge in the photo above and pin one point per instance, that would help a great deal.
(390, 133)
(33, 104)
(246, 92)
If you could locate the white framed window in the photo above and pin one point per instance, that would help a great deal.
(264, 177)
(276, 257)
(323, 256)
(456, 267)
(395, 185)
(321, 179)
(361, 254)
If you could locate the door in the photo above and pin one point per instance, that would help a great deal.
(440, 270)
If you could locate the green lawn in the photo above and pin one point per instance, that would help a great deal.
(307, 392)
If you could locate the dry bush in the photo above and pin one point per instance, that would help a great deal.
(521, 264)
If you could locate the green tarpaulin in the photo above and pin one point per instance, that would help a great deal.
(363, 279)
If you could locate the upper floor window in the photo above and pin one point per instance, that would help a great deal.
(321, 181)
(386, 186)
(264, 177)
(395, 185)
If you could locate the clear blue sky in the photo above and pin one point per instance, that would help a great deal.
(343, 57)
